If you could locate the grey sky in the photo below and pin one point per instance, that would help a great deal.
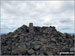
(42, 13)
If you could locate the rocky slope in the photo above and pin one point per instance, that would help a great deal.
(34, 40)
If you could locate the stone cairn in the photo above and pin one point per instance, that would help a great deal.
(33, 40)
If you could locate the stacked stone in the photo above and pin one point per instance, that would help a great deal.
(23, 41)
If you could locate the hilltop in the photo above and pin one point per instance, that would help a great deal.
(35, 40)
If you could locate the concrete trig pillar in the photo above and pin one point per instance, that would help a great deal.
(31, 28)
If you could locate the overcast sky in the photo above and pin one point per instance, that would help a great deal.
(42, 13)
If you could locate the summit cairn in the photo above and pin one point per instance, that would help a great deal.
(36, 41)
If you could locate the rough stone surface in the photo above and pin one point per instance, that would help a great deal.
(45, 41)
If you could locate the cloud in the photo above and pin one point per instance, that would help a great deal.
(41, 13)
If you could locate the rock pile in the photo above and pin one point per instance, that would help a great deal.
(34, 40)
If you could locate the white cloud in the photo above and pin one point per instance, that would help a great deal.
(16, 13)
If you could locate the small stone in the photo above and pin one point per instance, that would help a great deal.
(72, 49)
(53, 39)
(31, 51)
(15, 36)
(37, 47)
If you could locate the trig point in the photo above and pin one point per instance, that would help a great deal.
(31, 28)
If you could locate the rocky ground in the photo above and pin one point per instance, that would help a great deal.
(36, 41)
